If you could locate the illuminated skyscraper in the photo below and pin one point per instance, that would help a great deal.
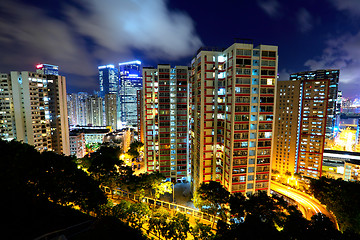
(166, 115)
(130, 81)
(47, 69)
(108, 79)
(233, 110)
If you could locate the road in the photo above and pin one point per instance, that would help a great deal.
(310, 206)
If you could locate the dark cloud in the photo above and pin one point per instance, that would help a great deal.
(114, 29)
(340, 53)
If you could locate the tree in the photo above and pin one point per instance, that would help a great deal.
(158, 223)
(202, 231)
(342, 198)
(178, 227)
(237, 206)
(107, 168)
(271, 210)
(212, 199)
(134, 150)
(321, 227)
(46, 176)
(138, 214)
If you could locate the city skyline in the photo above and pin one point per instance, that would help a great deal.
(310, 39)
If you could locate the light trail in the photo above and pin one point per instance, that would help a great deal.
(303, 201)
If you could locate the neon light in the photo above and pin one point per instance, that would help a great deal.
(39, 66)
(106, 66)
(131, 62)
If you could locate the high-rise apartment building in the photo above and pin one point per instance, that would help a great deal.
(166, 115)
(140, 122)
(333, 76)
(77, 108)
(302, 121)
(233, 109)
(111, 110)
(94, 114)
(37, 109)
(130, 81)
(7, 118)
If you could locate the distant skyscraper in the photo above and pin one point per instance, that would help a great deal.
(108, 79)
(37, 110)
(111, 110)
(130, 82)
(47, 69)
(166, 115)
(302, 121)
(77, 108)
(233, 110)
(94, 107)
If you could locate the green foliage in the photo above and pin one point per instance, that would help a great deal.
(178, 227)
(211, 198)
(106, 167)
(202, 231)
(47, 176)
(162, 188)
(342, 198)
(135, 149)
(158, 222)
(146, 183)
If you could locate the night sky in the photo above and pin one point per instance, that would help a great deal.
(79, 35)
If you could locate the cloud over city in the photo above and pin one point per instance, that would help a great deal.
(79, 38)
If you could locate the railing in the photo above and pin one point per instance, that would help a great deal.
(171, 206)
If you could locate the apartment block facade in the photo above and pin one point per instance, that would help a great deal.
(166, 115)
(36, 105)
(302, 121)
(233, 95)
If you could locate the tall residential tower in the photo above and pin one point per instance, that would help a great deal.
(305, 118)
(166, 115)
(233, 110)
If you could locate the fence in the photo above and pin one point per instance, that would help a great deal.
(171, 206)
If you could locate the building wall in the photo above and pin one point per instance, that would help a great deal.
(140, 122)
(288, 104)
(94, 107)
(111, 110)
(7, 121)
(130, 80)
(302, 123)
(39, 111)
(233, 108)
(77, 145)
(31, 109)
(166, 120)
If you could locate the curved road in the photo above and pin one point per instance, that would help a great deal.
(310, 206)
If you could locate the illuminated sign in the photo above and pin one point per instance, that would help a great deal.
(39, 66)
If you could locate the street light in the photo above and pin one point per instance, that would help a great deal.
(173, 185)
